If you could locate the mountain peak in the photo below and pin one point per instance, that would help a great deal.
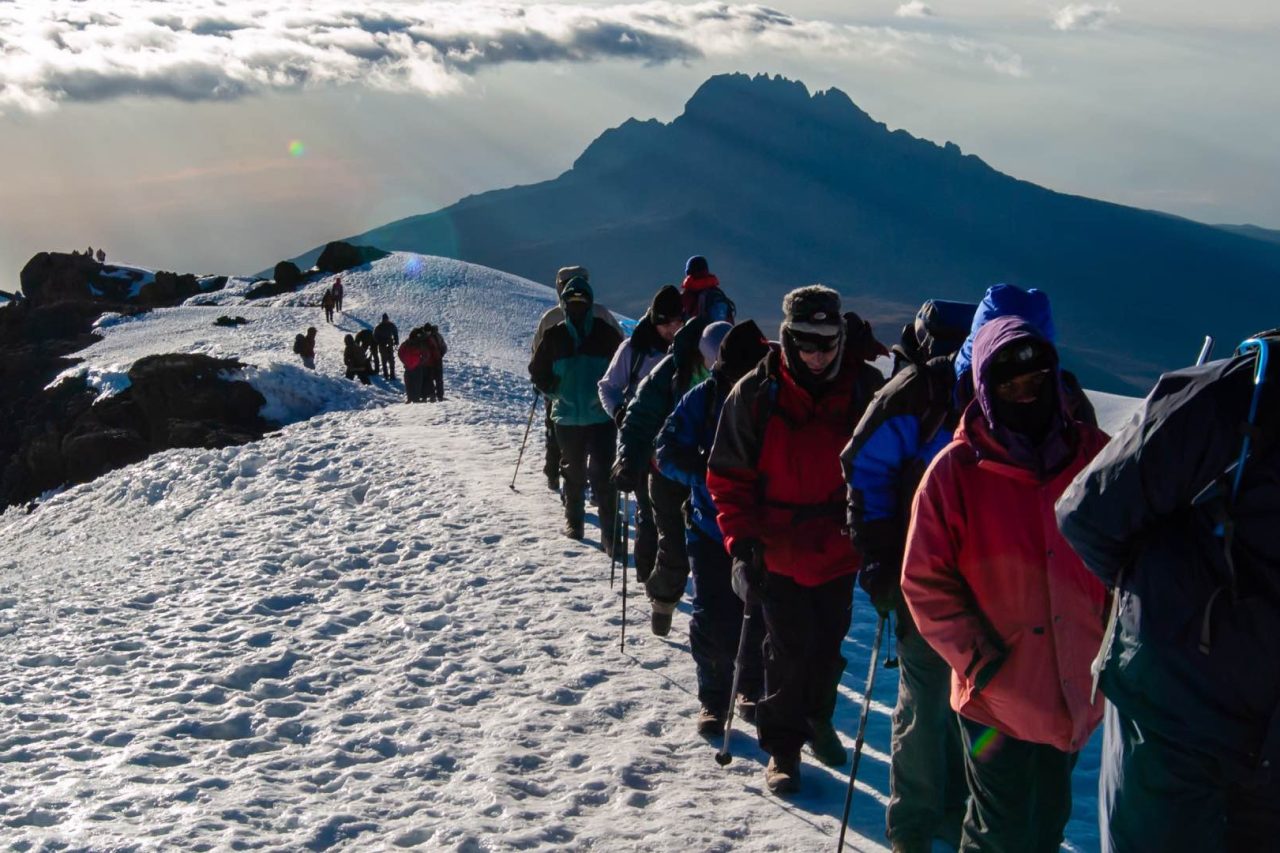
(762, 98)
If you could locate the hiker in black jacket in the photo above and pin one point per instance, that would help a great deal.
(1191, 755)
(387, 337)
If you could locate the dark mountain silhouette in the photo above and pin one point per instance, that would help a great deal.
(779, 188)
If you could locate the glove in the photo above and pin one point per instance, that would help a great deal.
(881, 583)
(748, 572)
(622, 477)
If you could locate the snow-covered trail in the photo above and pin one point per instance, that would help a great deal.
(353, 632)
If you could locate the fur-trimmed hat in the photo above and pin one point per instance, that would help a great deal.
(565, 274)
(813, 310)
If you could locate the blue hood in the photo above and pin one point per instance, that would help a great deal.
(1003, 300)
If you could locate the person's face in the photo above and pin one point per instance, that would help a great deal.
(667, 331)
(1023, 389)
(817, 353)
(576, 309)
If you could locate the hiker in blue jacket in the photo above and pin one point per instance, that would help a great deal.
(1191, 753)
(683, 447)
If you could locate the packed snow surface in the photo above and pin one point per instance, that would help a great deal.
(352, 635)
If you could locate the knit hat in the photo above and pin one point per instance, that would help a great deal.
(741, 350)
(712, 336)
(666, 305)
(697, 265)
(812, 310)
(565, 274)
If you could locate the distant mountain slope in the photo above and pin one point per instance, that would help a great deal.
(1253, 231)
(780, 188)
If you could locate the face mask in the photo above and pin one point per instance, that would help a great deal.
(1033, 418)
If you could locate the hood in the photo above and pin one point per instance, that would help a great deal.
(645, 338)
(1003, 300)
(741, 350)
(685, 344)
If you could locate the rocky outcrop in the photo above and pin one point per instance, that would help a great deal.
(338, 256)
(186, 400)
(57, 277)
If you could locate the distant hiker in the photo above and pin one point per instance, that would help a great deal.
(908, 423)
(716, 620)
(551, 466)
(655, 397)
(337, 294)
(569, 361)
(436, 350)
(387, 336)
(88, 253)
(1191, 753)
(357, 363)
(102, 256)
(1000, 595)
(369, 347)
(774, 474)
(413, 355)
(327, 302)
(633, 361)
(702, 296)
(305, 347)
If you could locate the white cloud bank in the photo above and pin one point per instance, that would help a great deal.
(206, 50)
(1084, 16)
(915, 9)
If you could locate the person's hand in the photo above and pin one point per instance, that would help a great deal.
(748, 574)
(881, 583)
(622, 477)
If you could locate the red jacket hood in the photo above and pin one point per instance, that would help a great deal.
(693, 284)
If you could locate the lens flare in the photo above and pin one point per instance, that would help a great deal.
(984, 744)
(296, 148)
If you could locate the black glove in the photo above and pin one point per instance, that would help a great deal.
(748, 572)
(622, 477)
(881, 583)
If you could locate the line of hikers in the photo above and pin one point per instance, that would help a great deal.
(977, 502)
(371, 352)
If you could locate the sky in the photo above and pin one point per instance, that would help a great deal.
(221, 136)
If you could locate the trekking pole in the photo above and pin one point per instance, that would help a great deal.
(723, 757)
(622, 644)
(1109, 632)
(890, 659)
(528, 425)
(617, 526)
(862, 731)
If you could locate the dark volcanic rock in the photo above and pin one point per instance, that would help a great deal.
(339, 256)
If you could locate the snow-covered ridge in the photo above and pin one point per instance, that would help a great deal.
(351, 635)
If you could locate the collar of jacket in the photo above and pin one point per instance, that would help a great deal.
(1035, 465)
(694, 283)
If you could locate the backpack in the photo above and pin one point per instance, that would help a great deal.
(940, 328)
(299, 344)
(410, 355)
(711, 305)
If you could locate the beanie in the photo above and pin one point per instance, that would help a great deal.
(712, 336)
(697, 265)
(576, 289)
(741, 350)
(666, 305)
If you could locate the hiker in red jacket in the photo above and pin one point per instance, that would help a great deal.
(701, 296)
(413, 356)
(996, 590)
(775, 477)
(337, 294)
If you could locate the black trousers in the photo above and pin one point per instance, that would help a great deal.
(551, 467)
(435, 382)
(387, 353)
(413, 382)
(646, 547)
(1019, 793)
(671, 564)
(802, 662)
(586, 453)
(1157, 794)
(715, 627)
(927, 787)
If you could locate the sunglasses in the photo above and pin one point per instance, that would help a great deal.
(1025, 384)
(817, 344)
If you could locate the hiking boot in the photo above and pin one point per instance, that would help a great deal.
(573, 530)
(747, 709)
(553, 482)
(606, 545)
(660, 623)
(826, 744)
(782, 776)
(710, 723)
